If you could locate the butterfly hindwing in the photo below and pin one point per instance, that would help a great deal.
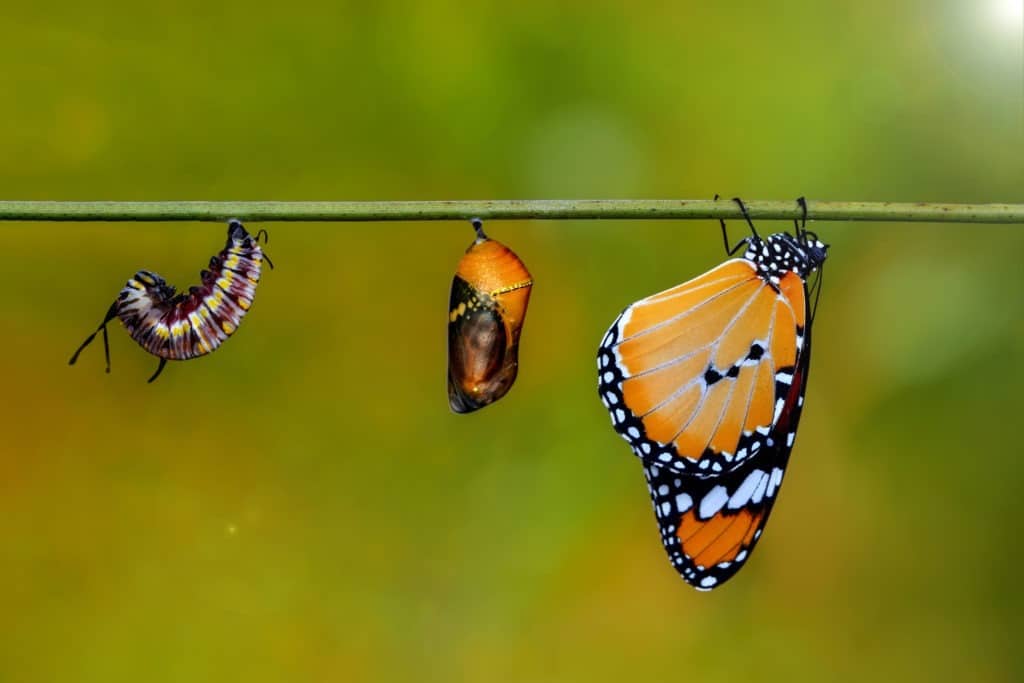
(710, 526)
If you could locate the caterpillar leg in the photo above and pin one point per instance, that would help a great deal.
(111, 314)
(159, 369)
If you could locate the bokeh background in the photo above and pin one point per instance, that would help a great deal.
(303, 506)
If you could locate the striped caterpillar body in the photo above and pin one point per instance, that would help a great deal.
(490, 293)
(179, 326)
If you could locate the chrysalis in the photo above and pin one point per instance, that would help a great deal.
(180, 326)
(490, 293)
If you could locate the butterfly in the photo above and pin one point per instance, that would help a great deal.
(706, 382)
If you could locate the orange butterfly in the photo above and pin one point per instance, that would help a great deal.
(706, 382)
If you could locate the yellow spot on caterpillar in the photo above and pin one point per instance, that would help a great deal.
(161, 331)
(209, 324)
(232, 261)
(227, 327)
(244, 303)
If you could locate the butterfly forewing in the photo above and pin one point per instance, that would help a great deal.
(694, 377)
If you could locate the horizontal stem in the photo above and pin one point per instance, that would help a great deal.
(505, 209)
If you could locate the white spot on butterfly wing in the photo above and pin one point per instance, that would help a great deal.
(713, 501)
(621, 325)
(774, 481)
(779, 405)
(745, 490)
(758, 493)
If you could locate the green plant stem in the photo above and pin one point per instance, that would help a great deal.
(501, 209)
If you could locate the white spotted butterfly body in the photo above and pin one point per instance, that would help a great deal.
(705, 381)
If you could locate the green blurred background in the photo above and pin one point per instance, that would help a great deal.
(303, 506)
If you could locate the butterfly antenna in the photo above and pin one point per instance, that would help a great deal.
(746, 216)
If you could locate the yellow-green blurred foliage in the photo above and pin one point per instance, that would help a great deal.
(303, 506)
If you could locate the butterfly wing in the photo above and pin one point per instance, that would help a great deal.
(710, 526)
(695, 377)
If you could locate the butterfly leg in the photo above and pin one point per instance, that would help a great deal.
(729, 251)
(743, 209)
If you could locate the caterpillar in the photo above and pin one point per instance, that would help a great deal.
(490, 293)
(180, 326)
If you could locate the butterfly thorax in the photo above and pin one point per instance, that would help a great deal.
(778, 254)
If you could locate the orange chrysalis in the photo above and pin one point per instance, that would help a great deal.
(490, 293)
